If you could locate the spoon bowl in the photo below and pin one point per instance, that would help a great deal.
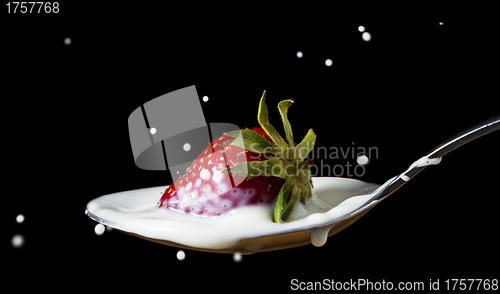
(114, 209)
(349, 200)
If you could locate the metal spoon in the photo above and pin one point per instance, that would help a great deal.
(303, 236)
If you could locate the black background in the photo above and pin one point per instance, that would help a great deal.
(415, 84)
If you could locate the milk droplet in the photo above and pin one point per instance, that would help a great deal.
(237, 257)
(20, 218)
(328, 62)
(99, 229)
(181, 255)
(363, 160)
(319, 235)
(17, 241)
(361, 29)
(205, 174)
(300, 54)
(93, 206)
(67, 41)
(366, 36)
(205, 98)
(152, 131)
(186, 147)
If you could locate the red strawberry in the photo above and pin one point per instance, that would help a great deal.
(205, 190)
(243, 168)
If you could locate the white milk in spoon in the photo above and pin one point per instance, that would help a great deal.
(137, 212)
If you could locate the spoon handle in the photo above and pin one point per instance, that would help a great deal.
(472, 133)
(434, 156)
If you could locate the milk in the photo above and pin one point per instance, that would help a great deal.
(137, 212)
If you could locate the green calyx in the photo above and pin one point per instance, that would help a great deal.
(284, 159)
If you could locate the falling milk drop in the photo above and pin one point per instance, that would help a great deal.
(99, 229)
(17, 241)
(363, 160)
(20, 218)
(181, 255)
(237, 257)
(366, 36)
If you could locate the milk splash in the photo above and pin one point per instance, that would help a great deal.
(136, 212)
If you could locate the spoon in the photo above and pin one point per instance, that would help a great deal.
(318, 234)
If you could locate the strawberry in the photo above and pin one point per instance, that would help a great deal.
(246, 167)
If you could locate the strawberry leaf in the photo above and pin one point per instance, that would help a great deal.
(263, 119)
(278, 206)
(306, 145)
(252, 141)
(280, 200)
(296, 194)
(283, 108)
